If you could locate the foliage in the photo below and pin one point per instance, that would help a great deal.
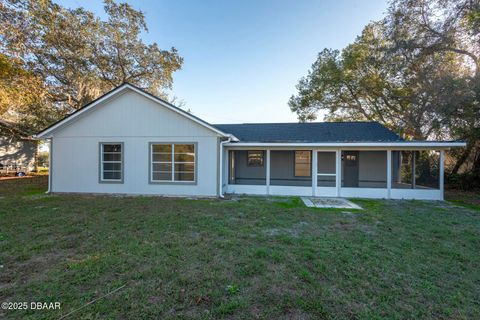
(23, 96)
(463, 181)
(416, 71)
(72, 56)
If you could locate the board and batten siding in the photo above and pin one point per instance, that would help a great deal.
(135, 121)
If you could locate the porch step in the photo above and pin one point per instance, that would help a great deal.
(321, 202)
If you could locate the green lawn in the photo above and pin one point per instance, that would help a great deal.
(254, 257)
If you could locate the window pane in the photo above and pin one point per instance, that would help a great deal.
(117, 175)
(302, 163)
(164, 157)
(255, 158)
(184, 167)
(112, 148)
(112, 166)
(112, 157)
(184, 176)
(162, 167)
(161, 147)
(184, 148)
(184, 157)
(165, 176)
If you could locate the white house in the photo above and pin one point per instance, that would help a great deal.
(130, 142)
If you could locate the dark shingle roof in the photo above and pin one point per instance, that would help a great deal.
(310, 132)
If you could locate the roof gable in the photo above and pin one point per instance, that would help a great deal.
(115, 92)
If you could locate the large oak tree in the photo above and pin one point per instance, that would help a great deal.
(71, 56)
(416, 71)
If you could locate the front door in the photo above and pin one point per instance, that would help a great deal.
(350, 173)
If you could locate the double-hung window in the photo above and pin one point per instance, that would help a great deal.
(172, 162)
(111, 162)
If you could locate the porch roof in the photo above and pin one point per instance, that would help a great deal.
(312, 132)
(346, 135)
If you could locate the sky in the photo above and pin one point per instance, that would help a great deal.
(243, 58)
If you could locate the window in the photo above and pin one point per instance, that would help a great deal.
(351, 157)
(302, 163)
(172, 162)
(111, 162)
(255, 159)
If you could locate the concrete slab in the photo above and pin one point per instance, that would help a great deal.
(340, 203)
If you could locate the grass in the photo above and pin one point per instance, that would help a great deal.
(468, 199)
(250, 258)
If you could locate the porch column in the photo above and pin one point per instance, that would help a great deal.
(338, 171)
(314, 172)
(442, 178)
(267, 174)
(413, 168)
(389, 173)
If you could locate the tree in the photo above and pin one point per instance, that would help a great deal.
(77, 56)
(22, 95)
(417, 83)
(446, 26)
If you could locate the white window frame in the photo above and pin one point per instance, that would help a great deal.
(102, 162)
(173, 162)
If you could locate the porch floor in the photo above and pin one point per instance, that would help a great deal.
(340, 203)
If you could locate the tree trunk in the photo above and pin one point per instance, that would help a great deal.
(463, 158)
(476, 163)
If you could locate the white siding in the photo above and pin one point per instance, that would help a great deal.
(136, 121)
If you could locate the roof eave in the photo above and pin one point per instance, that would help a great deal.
(386, 144)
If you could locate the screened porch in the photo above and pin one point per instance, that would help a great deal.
(330, 172)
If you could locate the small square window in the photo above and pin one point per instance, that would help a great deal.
(255, 158)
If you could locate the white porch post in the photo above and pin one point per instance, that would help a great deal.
(442, 178)
(268, 171)
(338, 171)
(414, 160)
(389, 173)
(314, 172)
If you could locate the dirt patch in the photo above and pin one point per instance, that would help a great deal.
(294, 231)
(15, 272)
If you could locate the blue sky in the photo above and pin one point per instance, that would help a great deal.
(242, 59)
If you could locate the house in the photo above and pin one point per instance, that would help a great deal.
(18, 151)
(131, 142)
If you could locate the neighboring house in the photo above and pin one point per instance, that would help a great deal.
(131, 142)
(18, 150)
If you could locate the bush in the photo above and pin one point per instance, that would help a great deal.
(463, 181)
